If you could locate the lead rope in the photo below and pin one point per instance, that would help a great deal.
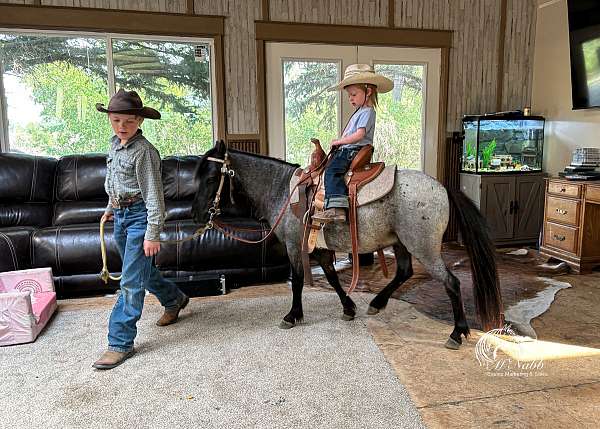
(105, 274)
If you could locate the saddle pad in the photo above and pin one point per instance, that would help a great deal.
(377, 188)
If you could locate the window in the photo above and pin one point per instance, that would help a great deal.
(310, 110)
(50, 84)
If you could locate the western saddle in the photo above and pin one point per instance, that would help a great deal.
(311, 191)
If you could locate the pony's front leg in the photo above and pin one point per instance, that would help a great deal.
(325, 259)
(295, 315)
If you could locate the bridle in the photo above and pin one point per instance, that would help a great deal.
(215, 209)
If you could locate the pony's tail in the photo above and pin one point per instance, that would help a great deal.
(481, 250)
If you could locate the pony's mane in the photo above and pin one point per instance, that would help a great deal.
(266, 158)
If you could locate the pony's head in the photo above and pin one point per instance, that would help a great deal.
(207, 177)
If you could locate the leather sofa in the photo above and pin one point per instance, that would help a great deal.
(50, 211)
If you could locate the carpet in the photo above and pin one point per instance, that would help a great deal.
(522, 277)
(225, 364)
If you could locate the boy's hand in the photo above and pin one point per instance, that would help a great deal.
(107, 217)
(151, 248)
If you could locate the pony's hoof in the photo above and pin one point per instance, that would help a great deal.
(373, 311)
(286, 325)
(347, 317)
(452, 344)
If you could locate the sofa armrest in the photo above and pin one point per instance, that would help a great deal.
(16, 312)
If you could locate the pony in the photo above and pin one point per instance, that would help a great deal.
(411, 218)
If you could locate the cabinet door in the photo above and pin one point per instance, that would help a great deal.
(497, 195)
(530, 206)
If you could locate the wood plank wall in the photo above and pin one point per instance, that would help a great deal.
(174, 6)
(473, 57)
(519, 42)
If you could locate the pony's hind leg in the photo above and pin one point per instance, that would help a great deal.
(403, 272)
(437, 268)
(325, 259)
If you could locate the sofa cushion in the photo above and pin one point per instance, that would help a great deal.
(26, 177)
(25, 214)
(15, 249)
(81, 177)
(69, 213)
(178, 174)
(214, 251)
(73, 249)
(178, 210)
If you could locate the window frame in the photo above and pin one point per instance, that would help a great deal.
(124, 24)
(108, 38)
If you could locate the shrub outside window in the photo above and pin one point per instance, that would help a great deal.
(50, 84)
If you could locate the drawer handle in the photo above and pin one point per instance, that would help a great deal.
(559, 237)
(561, 211)
(563, 189)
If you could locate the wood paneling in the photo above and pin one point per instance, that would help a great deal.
(245, 142)
(240, 59)
(344, 12)
(174, 6)
(103, 20)
(473, 58)
(518, 54)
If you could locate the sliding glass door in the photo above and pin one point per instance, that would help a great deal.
(299, 107)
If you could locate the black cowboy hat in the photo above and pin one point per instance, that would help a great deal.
(128, 102)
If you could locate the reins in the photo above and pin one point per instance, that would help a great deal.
(214, 211)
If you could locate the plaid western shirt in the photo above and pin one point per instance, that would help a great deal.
(134, 170)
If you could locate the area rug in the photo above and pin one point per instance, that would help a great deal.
(225, 364)
(522, 277)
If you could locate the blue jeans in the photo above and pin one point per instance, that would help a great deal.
(139, 273)
(336, 192)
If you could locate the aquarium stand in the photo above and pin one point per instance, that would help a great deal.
(513, 204)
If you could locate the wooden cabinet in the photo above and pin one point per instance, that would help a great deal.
(513, 204)
(572, 223)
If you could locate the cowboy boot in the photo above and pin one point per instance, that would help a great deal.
(111, 359)
(171, 314)
(334, 214)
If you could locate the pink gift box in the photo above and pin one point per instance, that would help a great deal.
(27, 302)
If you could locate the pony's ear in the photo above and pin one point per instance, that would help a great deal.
(221, 147)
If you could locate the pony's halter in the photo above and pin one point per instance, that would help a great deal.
(215, 210)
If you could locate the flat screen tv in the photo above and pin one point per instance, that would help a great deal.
(584, 38)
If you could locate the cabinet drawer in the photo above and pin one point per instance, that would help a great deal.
(563, 210)
(592, 193)
(564, 189)
(562, 237)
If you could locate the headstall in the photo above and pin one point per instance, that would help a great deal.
(215, 210)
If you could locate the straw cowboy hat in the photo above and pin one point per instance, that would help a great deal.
(363, 73)
(128, 102)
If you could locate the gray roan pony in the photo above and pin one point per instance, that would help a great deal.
(412, 218)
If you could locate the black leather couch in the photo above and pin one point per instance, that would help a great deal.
(49, 217)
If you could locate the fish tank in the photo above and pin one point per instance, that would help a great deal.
(502, 143)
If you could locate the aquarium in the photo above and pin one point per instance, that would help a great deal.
(502, 143)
